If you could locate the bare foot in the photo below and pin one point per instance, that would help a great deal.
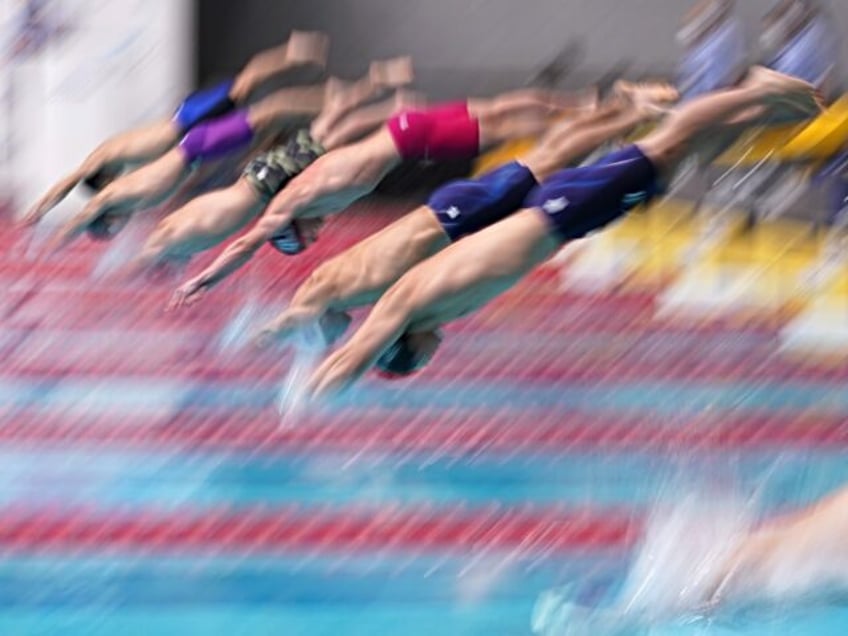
(784, 90)
(334, 91)
(652, 98)
(590, 100)
(393, 73)
(308, 47)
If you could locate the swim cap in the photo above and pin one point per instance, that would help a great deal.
(405, 357)
(100, 179)
(103, 228)
(290, 241)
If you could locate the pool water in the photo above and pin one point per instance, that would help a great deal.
(148, 484)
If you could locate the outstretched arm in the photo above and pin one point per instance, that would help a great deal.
(149, 186)
(234, 257)
(237, 254)
(132, 147)
(199, 225)
(278, 217)
(381, 329)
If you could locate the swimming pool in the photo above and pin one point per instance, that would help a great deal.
(147, 485)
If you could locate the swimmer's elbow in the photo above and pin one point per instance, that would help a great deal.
(245, 246)
(293, 198)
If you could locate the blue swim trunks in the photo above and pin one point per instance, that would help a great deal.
(578, 201)
(468, 206)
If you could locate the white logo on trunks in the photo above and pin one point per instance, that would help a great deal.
(404, 123)
(552, 206)
(453, 212)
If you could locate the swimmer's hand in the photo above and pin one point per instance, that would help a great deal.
(336, 374)
(112, 156)
(56, 194)
(50, 200)
(187, 294)
(265, 337)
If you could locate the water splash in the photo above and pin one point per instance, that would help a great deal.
(291, 399)
(671, 577)
(686, 544)
(238, 333)
(308, 345)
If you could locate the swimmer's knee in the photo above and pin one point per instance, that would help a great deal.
(662, 153)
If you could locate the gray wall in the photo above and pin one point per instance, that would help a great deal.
(464, 46)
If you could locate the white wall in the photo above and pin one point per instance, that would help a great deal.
(114, 64)
(455, 37)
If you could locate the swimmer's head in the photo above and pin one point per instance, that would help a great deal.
(409, 354)
(100, 179)
(299, 235)
(107, 226)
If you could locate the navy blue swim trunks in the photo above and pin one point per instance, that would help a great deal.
(468, 206)
(578, 201)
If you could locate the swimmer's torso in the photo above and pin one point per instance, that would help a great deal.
(472, 272)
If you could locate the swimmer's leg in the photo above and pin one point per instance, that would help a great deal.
(531, 100)
(521, 113)
(573, 141)
(342, 98)
(692, 126)
(364, 120)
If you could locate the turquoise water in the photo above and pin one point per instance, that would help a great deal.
(325, 593)
(331, 590)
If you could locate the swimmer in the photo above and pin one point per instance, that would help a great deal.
(794, 555)
(110, 210)
(337, 179)
(361, 274)
(402, 332)
(209, 219)
(144, 144)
